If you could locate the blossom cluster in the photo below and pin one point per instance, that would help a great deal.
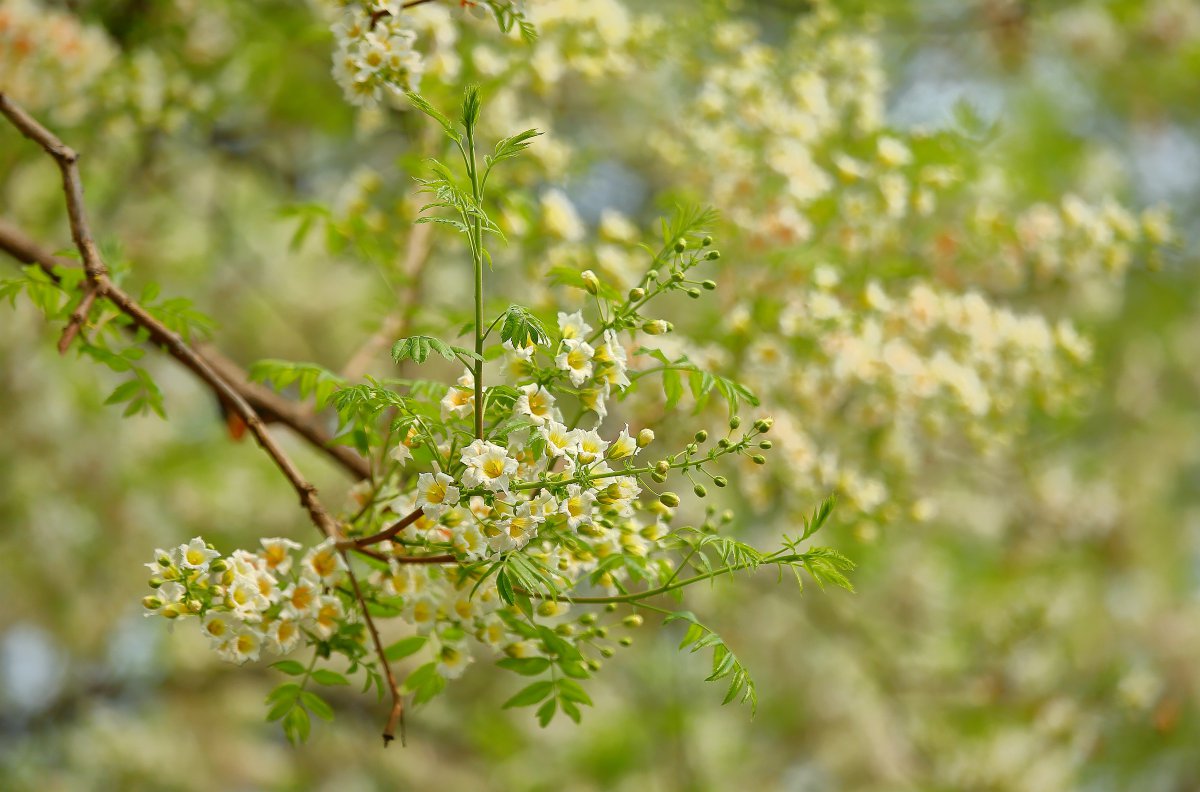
(374, 55)
(250, 602)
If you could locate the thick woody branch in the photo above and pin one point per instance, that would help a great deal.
(388, 533)
(270, 406)
(98, 280)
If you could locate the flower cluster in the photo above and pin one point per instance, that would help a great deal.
(374, 57)
(248, 603)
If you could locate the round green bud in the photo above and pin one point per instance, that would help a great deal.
(658, 477)
(626, 641)
(680, 245)
(693, 293)
(633, 620)
(565, 630)
(669, 499)
(602, 632)
(656, 327)
(721, 481)
(713, 255)
(759, 459)
(727, 516)
(764, 424)
(587, 618)
(606, 651)
(155, 582)
(677, 276)
(652, 275)
(150, 602)
(610, 607)
(637, 294)
(645, 438)
(701, 436)
(735, 422)
(663, 467)
(710, 285)
(164, 562)
(706, 241)
(691, 449)
(766, 445)
(700, 491)
(170, 612)
(218, 566)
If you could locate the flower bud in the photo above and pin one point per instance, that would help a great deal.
(164, 562)
(591, 283)
(610, 608)
(669, 499)
(693, 293)
(721, 481)
(194, 605)
(677, 276)
(700, 491)
(680, 245)
(701, 436)
(218, 566)
(637, 294)
(706, 241)
(633, 620)
(727, 516)
(735, 422)
(766, 445)
(709, 285)
(658, 477)
(724, 442)
(170, 612)
(764, 424)
(713, 255)
(593, 665)
(656, 327)
(645, 438)
(626, 641)
(602, 632)
(150, 602)
(587, 618)
(663, 467)
(155, 582)
(606, 651)
(759, 459)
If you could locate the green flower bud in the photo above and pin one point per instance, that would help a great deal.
(170, 612)
(591, 283)
(594, 665)
(710, 285)
(610, 607)
(637, 295)
(663, 467)
(218, 566)
(713, 255)
(164, 562)
(701, 436)
(656, 327)
(724, 442)
(759, 459)
(700, 491)
(658, 477)
(727, 516)
(155, 582)
(735, 422)
(680, 245)
(633, 620)
(565, 630)
(606, 652)
(669, 499)
(706, 241)
(677, 276)
(764, 424)
(602, 632)
(721, 481)
(151, 603)
(693, 293)
(626, 641)
(587, 618)
(645, 438)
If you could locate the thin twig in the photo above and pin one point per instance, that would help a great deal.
(386, 533)
(97, 275)
(396, 323)
(78, 318)
(396, 716)
(267, 403)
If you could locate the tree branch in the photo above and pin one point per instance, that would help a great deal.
(267, 403)
(98, 280)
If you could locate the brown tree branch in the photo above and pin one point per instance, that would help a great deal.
(396, 323)
(78, 318)
(267, 403)
(388, 533)
(98, 281)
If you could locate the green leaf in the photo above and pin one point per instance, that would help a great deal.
(289, 667)
(405, 647)
(326, 677)
(470, 108)
(296, 725)
(530, 695)
(725, 663)
(570, 690)
(418, 348)
(510, 147)
(545, 713)
(525, 666)
(425, 107)
(520, 327)
(672, 387)
(316, 705)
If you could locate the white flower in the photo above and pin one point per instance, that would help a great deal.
(218, 627)
(560, 440)
(576, 359)
(277, 554)
(284, 634)
(518, 529)
(488, 466)
(299, 597)
(243, 645)
(401, 453)
(624, 446)
(452, 659)
(196, 555)
(578, 506)
(245, 598)
(469, 541)
(571, 325)
(460, 400)
(323, 563)
(327, 612)
(436, 493)
(537, 403)
(590, 445)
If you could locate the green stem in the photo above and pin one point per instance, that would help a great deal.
(477, 262)
(633, 597)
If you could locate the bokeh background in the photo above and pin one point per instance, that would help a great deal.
(1028, 531)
